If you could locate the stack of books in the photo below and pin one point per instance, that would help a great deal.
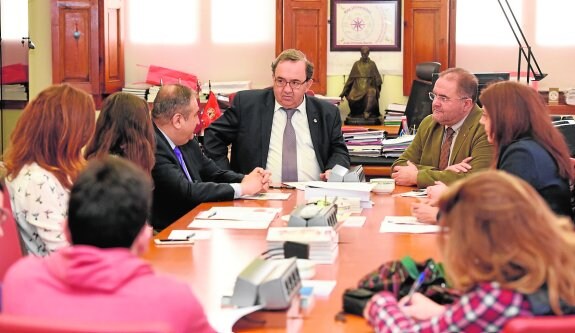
(14, 92)
(570, 96)
(136, 90)
(364, 143)
(395, 147)
(322, 241)
(393, 114)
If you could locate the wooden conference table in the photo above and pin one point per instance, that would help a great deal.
(211, 266)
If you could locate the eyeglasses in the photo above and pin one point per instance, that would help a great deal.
(279, 82)
(444, 99)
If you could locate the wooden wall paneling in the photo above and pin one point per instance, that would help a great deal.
(113, 45)
(75, 60)
(426, 36)
(87, 45)
(304, 27)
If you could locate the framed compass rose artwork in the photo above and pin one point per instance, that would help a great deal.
(372, 23)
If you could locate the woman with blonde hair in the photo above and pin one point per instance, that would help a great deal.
(504, 248)
(124, 128)
(43, 160)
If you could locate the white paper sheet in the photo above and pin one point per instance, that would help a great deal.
(321, 288)
(354, 221)
(239, 214)
(229, 224)
(267, 196)
(406, 224)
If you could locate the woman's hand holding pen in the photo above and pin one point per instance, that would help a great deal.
(420, 307)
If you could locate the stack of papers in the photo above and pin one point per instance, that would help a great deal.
(322, 241)
(235, 218)
(570, 96)
(14, 92)
(139, 92)
(364, 143)
(318, 189)
(395, 147)
(152, 92)
(406, 224)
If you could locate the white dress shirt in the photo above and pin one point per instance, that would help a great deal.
(307, 165)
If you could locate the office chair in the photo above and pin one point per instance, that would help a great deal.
(418, 104)
(21, 324)
(553, 324)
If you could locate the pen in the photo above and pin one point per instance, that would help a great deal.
(212, 214)
(187, 239)
(416, 284)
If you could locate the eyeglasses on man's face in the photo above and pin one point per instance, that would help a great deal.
(295, 84)
(444, 99)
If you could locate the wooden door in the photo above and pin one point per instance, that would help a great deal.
(302, 24)
(112, 44)
(75, 44)
(429, 35)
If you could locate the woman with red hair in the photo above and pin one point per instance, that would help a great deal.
(43, 160)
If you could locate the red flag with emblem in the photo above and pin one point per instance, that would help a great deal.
(211, 110)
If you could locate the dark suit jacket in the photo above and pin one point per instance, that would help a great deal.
(174, 195)
(528, 160)
(247, 126)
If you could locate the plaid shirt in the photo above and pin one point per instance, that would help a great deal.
(485, 308)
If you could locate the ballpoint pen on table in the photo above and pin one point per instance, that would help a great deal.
(175, 240)
(416, 284)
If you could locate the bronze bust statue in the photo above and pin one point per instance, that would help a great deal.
(362, 90)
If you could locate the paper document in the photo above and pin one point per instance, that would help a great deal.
(321, 288)
(406, 224)
(317, 189)
(224, 319)
(354, 221)
(239, 214)
(190, 234)
(229, 224)
(235, 218)
(419, 193)
(267, 196)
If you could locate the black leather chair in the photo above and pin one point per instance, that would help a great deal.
(419, 105)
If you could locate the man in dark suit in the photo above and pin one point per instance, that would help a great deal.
(254, 126)
(183, 176)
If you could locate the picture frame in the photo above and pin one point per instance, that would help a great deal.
(372, 23)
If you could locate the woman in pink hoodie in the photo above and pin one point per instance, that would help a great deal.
(101, 277)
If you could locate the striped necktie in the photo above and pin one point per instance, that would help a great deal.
(445, 148)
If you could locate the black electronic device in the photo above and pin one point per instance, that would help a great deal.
(314, 215)
(342, 174)
(271, 283)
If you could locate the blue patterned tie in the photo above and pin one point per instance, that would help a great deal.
(182, 163)
(289, 150)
